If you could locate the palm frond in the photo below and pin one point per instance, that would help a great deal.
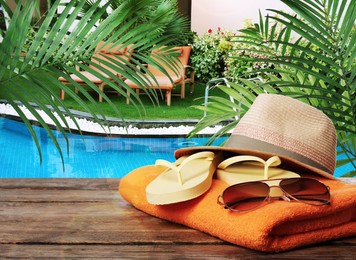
(57, 47)
(318, 68)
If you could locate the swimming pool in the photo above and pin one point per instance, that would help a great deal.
(89, 156)
(93, 157)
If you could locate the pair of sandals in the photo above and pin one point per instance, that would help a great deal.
(192, 176)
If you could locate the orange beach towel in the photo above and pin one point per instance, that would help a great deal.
(274, 227)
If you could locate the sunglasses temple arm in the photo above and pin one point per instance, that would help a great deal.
(311, 199)
(220, 202)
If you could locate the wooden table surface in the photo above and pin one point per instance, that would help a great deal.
(87, 218)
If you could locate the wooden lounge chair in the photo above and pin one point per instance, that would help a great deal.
(161, 81)
(102, 54)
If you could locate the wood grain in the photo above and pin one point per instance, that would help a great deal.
(87, 218)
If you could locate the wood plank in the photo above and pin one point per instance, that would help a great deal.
(76, 190)
(83, 216)
(63, 184)
(94, 223)
(43, 195)
(71, 218)
(51, 190)
(77, 184)
(172, 251)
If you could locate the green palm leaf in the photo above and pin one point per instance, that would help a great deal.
(318, 68)
(56, 49)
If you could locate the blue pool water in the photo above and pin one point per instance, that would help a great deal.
(89, 156)
(93, 157)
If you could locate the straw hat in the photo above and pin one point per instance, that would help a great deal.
(301, 135)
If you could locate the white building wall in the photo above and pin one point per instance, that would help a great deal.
(229, 14)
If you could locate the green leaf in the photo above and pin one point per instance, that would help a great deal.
(54, 47)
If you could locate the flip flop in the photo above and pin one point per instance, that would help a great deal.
(187, 178)
(245, 168)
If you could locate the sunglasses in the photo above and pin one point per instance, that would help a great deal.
(250, 195)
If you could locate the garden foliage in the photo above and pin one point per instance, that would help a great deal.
(318, 66)
(55, 47)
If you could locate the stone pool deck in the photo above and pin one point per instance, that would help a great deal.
(87, 218)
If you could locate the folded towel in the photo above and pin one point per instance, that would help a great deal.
(273, 227)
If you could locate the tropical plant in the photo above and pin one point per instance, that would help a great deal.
(52, 48)
(209, 52)
(2, 21)
(154, 11)
(248, 46)
(319, 68)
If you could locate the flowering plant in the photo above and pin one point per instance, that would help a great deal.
(209, 52)
(218, 54)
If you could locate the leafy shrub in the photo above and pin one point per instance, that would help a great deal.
(248, 58)
(222, 54)
(188, 39)
(236, 67)
(209, 52)
(318, 68)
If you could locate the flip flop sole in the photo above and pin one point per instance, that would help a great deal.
(196, 177)
(240, 169)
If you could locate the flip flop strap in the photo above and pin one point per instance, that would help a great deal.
(271, 162)
(208, 155)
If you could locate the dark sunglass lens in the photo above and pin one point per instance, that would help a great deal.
(245, 196)
(306, 190)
